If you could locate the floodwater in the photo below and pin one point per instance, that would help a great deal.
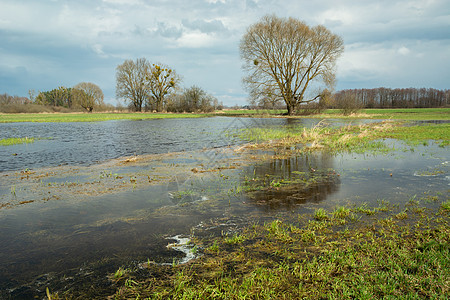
(89, 143)
(68, 227)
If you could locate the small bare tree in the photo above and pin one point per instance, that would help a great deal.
(87, 95)
(285, 56)
(131, 82)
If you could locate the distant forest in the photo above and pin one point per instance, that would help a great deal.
(395, 98)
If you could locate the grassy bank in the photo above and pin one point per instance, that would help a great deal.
(348, 253)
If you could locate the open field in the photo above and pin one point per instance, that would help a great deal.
(397, 114)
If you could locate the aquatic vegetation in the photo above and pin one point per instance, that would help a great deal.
(357, 138)
(235, 239)
(120, 273)
(15, 141)
(13, 191)
(320, 214)
(446, 205)
(341, 212)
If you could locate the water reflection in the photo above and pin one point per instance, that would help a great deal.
(286, 183)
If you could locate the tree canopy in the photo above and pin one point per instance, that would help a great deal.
(285, 58)
(87, 95)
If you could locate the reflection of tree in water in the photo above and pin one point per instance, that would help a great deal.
(284, 183)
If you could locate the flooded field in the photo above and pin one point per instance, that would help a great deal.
(70, 226)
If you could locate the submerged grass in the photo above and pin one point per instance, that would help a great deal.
(319, 257)
(357, 138)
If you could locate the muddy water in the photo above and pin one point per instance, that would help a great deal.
(68, 227)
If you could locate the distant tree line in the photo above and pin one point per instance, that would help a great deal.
(392, 98)
(156, 87)
(6, 99)
(86, 95)
(83, 96)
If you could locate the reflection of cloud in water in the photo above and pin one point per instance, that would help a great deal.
(292, 181)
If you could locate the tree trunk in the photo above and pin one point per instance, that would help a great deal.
(291, 109)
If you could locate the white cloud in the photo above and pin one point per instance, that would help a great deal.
(195, 40)
(404, 51)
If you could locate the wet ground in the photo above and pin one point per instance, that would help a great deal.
(70, 227)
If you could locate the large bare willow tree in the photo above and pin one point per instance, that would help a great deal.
(287, 58)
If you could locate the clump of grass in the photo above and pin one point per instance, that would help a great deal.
(214, 247)
(16, 141)
(402, 215)
(320, 214)
(446, 205)
(341, 212)
(235, 239)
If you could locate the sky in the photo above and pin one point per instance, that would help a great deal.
(45, 44)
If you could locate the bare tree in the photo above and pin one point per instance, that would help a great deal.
(87, 95)
(131, 82)
(161, 81)
(285, 57)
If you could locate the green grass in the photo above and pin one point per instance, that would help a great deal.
(358, 138)
(398, 114)
(314, 259)
(15, 141)
(90, 117)
(394, 113)
(420, 134)
(250, 112)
